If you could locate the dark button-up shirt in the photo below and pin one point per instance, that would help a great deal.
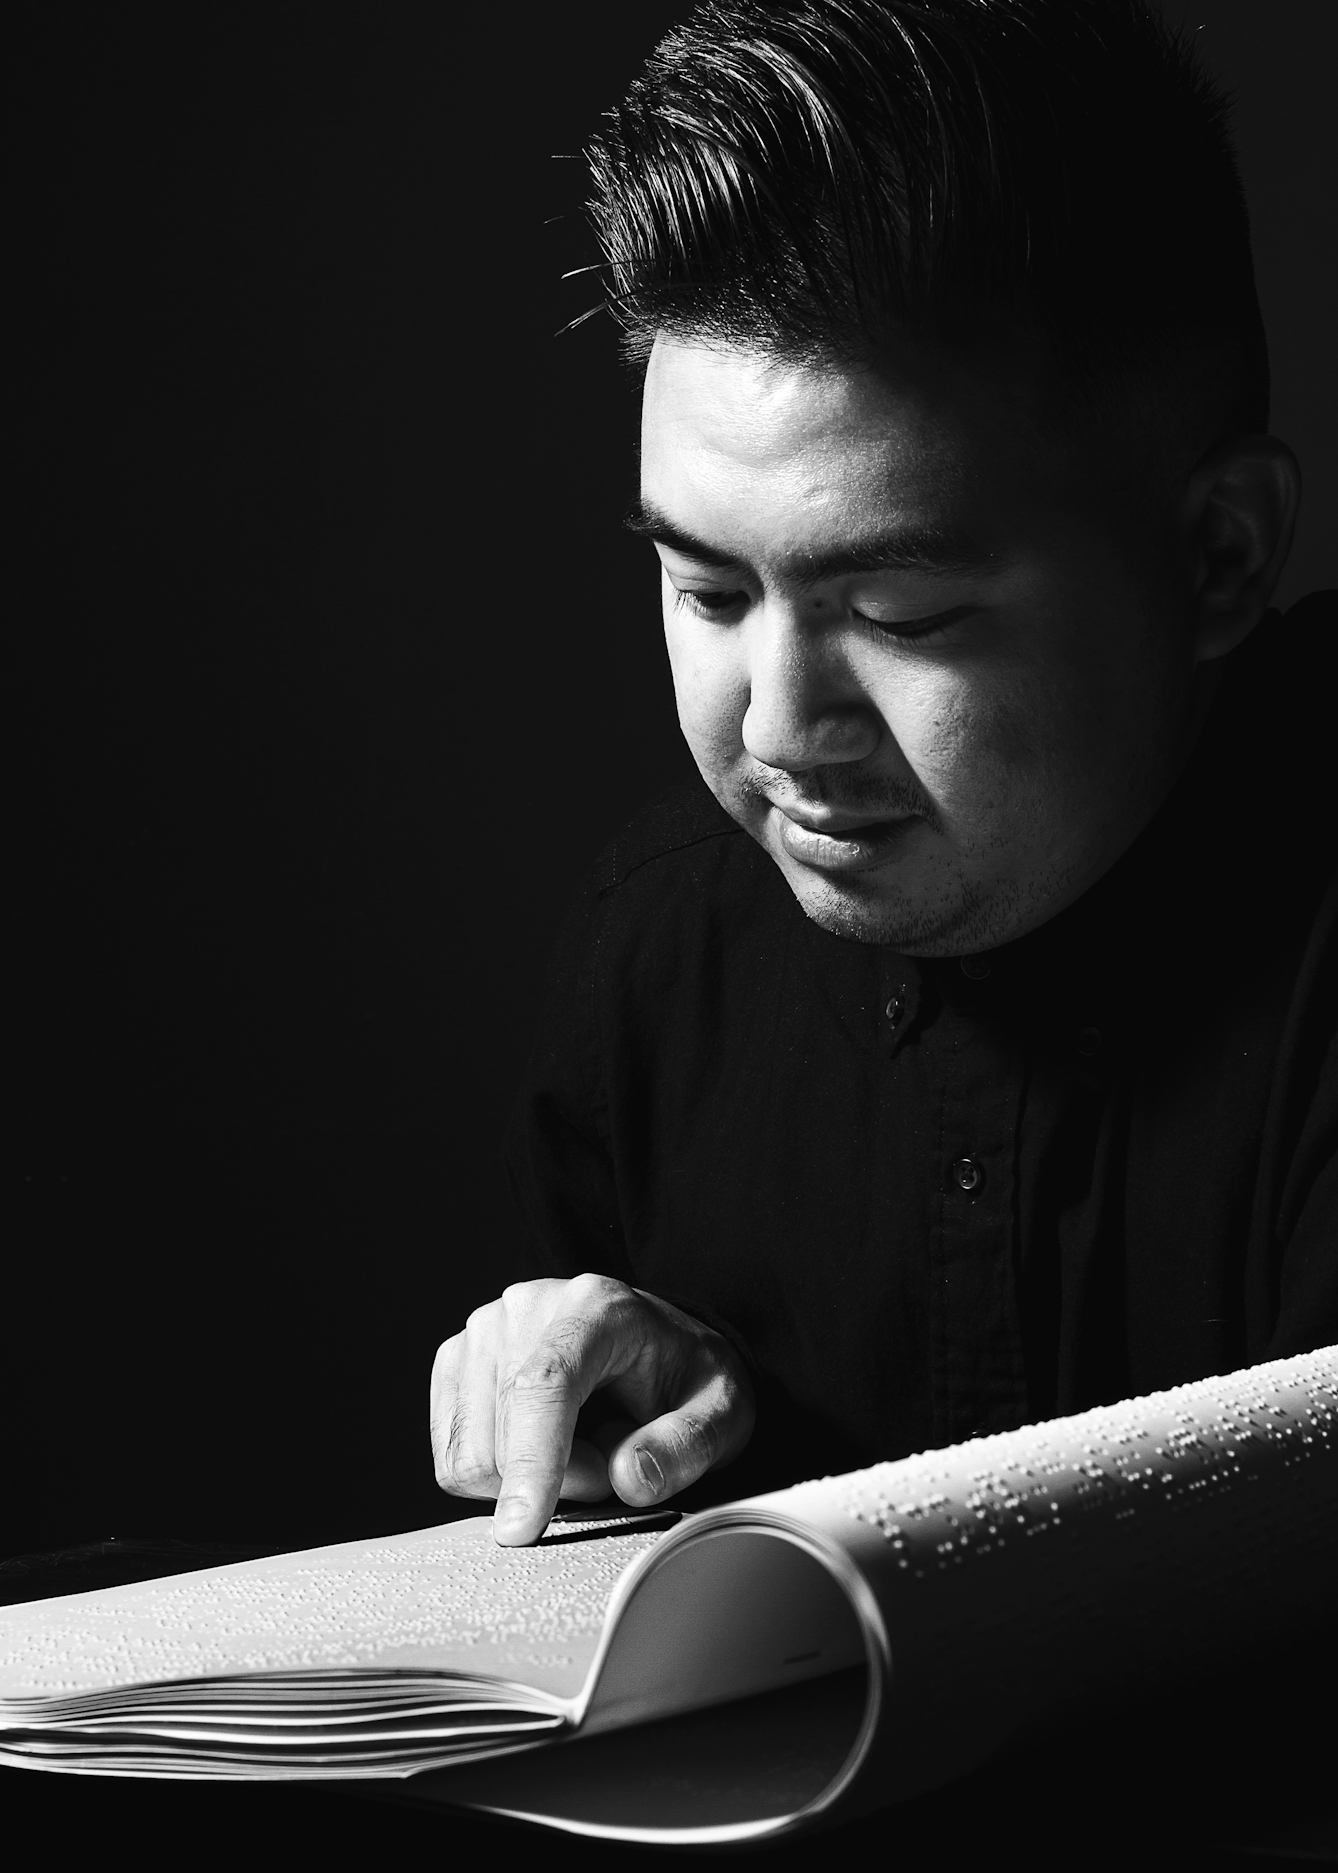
(929, 1199)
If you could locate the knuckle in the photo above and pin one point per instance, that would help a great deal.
(481, 1319)
(723, 1375)
(445, 1436)
(451, 1351)
(598, 1291)
(600, 1310)
(729, 1413)
(523, 1298)
(701, 1439)
(461, 1466)
(468, 1476)
(723, 1385)
(546, 1372)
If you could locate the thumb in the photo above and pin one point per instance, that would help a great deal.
(673, 1450)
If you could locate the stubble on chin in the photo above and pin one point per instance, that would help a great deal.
(859, 908)
(950, 914)
(939, 924)
(953, 916)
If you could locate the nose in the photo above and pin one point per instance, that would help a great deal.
(805, 707)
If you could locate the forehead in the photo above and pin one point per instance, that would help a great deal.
(737, 440)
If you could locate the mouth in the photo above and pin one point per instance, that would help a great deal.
(831, 841)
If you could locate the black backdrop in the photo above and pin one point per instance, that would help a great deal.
(335, 672)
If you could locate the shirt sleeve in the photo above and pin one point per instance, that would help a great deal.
(560, 1165)
(557, 1151)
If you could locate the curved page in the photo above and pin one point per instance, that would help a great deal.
(992, 1585)
(367, 1658)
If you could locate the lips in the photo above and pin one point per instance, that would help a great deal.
(833, 825)
(839, 842)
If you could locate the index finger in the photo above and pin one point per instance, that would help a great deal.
(537, 1410)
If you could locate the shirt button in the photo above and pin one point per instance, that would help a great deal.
(896, 1007)
(968, 1175)
(1089, 1042)
(975, 968)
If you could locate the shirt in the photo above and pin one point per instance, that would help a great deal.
(930, 1199)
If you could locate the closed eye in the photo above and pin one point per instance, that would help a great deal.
(917, 627)
(716, 605)
(707, 604)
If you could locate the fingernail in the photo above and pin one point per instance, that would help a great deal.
(510, 1512)
(651, 1473)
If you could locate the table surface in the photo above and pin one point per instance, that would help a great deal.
(1061, 1805)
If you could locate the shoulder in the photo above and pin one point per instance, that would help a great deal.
(671, 911)
(1275, 705)
(666, 839)
(1265, 667)
(1318, 610)
(681, 890)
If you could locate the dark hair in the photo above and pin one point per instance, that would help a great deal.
(815, 177)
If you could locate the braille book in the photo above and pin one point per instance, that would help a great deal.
(731, 1674)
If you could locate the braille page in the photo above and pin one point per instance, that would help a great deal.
(1017, 1578)
(442, 1600)
(1091, 1557)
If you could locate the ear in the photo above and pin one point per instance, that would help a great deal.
(1240, 513)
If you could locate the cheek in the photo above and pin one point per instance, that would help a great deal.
(931, 714)
(981, 747)
(710, 687)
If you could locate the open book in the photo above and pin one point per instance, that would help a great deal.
(804, 1654)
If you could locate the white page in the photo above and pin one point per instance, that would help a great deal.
(985, 1583)
(733, 1611)
(996, 1582)
(445, 1600)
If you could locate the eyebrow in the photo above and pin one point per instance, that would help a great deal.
(907, 547)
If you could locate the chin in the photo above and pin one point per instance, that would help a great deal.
(947, 916)
(862, 916)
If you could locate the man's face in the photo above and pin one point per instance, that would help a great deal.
(936, 667)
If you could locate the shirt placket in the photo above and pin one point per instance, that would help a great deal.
(978, 1063)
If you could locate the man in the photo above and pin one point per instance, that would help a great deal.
(961, 1052)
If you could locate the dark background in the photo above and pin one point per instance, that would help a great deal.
(334, 673)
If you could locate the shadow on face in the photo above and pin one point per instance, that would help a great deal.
(941, 664)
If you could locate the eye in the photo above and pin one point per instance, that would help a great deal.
(909, 629)
(707, 604)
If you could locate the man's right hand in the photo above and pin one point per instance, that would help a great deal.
(506, 1391)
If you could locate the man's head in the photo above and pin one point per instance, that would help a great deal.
(951, 440)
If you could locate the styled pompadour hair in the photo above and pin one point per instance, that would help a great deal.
(818, 178)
